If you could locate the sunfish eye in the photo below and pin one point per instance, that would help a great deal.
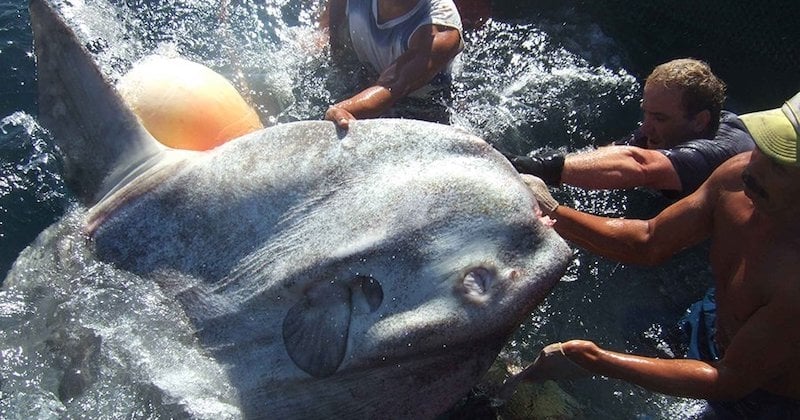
(477, 281)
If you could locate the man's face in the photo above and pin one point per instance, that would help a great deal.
(665, 121)
(772, 187)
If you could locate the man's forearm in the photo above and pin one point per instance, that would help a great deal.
(623, 240)
(619, 239)
(369, 103)
(679, 377)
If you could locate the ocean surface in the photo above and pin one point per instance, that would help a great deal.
(530, 78)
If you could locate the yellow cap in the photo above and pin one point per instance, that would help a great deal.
(776, 131)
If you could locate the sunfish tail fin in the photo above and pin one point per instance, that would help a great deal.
(100, 137)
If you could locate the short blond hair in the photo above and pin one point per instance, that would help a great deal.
(702, 89)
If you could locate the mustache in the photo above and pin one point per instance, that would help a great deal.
(753, 185)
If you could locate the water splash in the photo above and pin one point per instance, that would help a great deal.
(48, 375)
(520, 90)
(32, 192)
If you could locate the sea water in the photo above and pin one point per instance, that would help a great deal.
(523, 84)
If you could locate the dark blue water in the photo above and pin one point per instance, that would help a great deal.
(532, 78)
(31, 192)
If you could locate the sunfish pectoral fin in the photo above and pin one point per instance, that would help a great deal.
(97, 133)
(315, 329)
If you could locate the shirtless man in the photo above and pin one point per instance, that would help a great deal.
(407, 42)
(749, 208)
(684, 136)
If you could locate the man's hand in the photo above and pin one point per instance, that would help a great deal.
(547, 165)
(340, 116)
(540, 191)
(551, 364)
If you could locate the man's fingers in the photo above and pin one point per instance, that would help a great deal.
(339, 116)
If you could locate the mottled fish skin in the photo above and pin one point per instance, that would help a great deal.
(368, 273)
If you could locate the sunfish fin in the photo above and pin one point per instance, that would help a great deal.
(100, 137)
(315, 329)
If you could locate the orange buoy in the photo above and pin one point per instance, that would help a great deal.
(186, 105)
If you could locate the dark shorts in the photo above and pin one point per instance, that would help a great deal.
(698, 327)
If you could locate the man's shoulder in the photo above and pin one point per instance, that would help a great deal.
(731, 138)
(728, 117)
(737, 162)
(731, 170)
(731, 127)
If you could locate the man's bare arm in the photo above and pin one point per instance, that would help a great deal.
(620, 167)
(648, 242)
(679, 377)
(763, 349)
(333, 20)
(430, 50)
(681, 225)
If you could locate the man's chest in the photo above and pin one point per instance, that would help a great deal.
(740, 255)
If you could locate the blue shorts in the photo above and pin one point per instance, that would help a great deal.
(698, 325)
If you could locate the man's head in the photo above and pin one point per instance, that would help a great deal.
(772, 179)
(682, 101)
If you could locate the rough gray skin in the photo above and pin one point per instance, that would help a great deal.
(373, 273)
